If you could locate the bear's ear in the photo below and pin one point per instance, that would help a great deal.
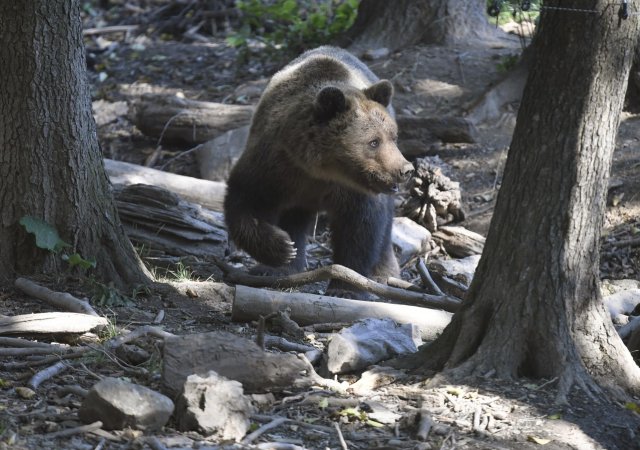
(380, 92)
(329, 102)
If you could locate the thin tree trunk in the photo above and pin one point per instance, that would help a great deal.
(534, 307)
(50, 162)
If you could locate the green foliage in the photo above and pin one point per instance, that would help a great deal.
(508, 62)
(47, 238)
(292, 25)
(108, 295)
(510, 11)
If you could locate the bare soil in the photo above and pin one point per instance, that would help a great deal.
(430, 81)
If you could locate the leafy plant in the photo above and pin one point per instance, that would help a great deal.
(47, 238)
(292, 25)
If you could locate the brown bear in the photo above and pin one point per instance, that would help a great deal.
(323, 138)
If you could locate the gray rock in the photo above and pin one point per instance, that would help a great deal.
(374, 378)
(461, 270)
(105, 112)
(119, 404)
(368, 342)
(609, 287)
(622, 302)
(214, 405)
(217, 156)
(409, 239)
(132, 354)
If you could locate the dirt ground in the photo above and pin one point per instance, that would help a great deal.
(430, 81)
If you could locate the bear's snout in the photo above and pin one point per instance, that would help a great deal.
(406, 171)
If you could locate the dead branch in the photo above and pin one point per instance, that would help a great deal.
(47, 373)
(249, 304)
(146, 330)
(338, 272)
(62, 300)
(249, 438)
(285, 345)
(71, 431)
(22, 343)
(36, 351)
(109, 30)
(343, 444)
(425, 276)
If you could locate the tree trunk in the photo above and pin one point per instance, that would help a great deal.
(50, 163)
(401, 23)
(534, 307)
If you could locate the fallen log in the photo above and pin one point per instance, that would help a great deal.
(176, 119)
(306, 309)
(209, 194)
(161, 221)
(458, 241)
(50, 323)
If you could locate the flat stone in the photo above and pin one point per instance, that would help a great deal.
(119, 404)
(461, 270)
(368, 342)
(409, 239)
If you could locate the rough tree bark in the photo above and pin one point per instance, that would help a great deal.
(400, 23)
(50, 163)
(534, 307)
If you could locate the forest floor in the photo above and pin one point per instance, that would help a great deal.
(430, 81)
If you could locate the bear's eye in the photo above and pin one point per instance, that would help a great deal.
(374, 143)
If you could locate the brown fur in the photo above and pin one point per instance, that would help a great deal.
(323, 138)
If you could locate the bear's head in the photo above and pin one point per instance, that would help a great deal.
(356, 138)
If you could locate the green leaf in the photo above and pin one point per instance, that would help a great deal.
(323, 403)
(47, 237)
(632, 406)
(77, 260)
(373, 423)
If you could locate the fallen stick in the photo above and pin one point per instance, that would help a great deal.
(249, 438)
(338, 272)
(426, 277)
(62, 300)
(71, 431)
(23, 343)
(36, 351)
(306, 309)
(209, 194)
(47, 373)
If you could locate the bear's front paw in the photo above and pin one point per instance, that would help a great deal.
(276, 250)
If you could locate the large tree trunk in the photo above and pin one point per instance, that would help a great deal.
(534, 307)
(50, 163)
(400, 23)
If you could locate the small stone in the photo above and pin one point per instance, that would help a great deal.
(409, 239)
(132, 354)
(376, 53)
(25, 392)
(119, 404)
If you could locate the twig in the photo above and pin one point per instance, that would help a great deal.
(278, 446)
(260, 332)
(426, 278)
(113, 343)
(155, 443)
(425, 424)
(338, 272)
(343, 444)
(36, 351)
(22, 343)
(61, 300)
(100, 445)
(77, 353)
(286, 346)
(249, 438)
(107, 30)
(72, 431)
(627, 243)
(47, 373)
